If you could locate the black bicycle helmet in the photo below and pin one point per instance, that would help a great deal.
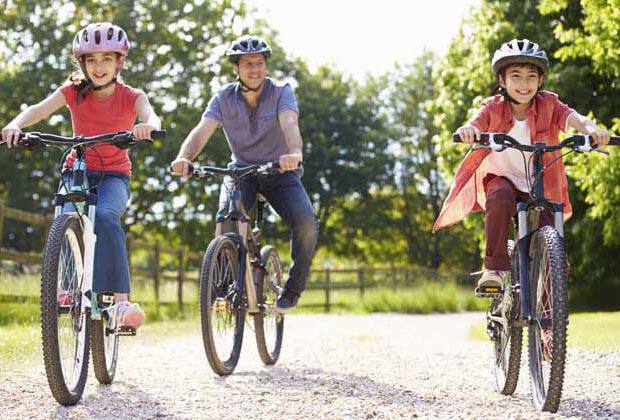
(247, 44)
(519, 51)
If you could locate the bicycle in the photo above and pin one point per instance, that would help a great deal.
(239, 276)
(535, 294)
(73, 317)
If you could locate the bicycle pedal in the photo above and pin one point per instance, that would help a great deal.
(489, 292)
(126, 331)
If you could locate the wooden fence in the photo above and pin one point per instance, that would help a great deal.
(172, 264)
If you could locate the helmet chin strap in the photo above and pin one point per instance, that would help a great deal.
(90, 85)
(245, 88)
(505, 94)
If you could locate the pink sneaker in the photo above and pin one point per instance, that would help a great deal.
(129, 314)
(64, 298)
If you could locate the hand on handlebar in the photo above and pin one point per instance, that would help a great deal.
(290, 162)
(10, 134)
(182, 166)
(600, 136)
(468, 133)
(143, 131)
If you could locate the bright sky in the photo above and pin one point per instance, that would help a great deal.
(361, 36)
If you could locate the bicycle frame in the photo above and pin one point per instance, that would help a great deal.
(528, 220)
(80, 193)
(237, 215)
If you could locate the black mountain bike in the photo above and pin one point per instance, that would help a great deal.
(75, 319)
(535, 294)
(239, 275)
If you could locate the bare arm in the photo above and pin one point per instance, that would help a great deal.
(587, 126)
(193, 144)
(289, 123)
(32, 115)
(149, 119)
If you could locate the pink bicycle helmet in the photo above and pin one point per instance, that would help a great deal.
(100, 37)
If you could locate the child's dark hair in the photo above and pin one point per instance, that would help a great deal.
(502, 73)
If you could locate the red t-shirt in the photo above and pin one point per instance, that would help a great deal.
(95, 116)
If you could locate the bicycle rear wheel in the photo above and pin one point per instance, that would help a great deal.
(269, 325)
(508, 339)
(64, 325)
(222, 308)
(547, 333)
(104, 343)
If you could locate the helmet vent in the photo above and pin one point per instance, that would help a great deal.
(110, 34)
(85, 35)
(97, 37)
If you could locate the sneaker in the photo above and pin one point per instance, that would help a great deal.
(286, 301)
(129, 315)
(491, 282)
(64, 298)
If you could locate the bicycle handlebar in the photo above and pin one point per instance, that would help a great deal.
(500, 141)
(207, 172)
(122, 139)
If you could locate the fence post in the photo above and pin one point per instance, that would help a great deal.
(181, 277)
(156, 274)
(393, 274)
(360, 280)
(327, 285)
(1, 221)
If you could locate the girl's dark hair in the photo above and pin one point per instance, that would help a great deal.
(502, 73)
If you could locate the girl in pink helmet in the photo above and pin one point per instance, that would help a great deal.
(100, 103)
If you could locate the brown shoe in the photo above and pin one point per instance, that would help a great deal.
(490, 283)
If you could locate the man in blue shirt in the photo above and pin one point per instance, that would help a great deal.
(259, 117)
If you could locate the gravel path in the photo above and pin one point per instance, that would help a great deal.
(332, 366)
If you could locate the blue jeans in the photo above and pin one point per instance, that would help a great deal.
(288, 197)
(111, 271)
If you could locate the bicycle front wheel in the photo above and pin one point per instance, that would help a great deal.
(547, 333)
(269, 325)
(104, 343)
(64, 325)
(222, 309)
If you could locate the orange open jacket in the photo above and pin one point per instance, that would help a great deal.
(545, 118)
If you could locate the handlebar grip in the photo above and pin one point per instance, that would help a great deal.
(158, 134)
(190, 171)
(484, 137)
(614, 140)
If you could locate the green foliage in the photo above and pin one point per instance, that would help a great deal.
(424, 299)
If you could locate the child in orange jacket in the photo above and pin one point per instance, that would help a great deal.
(495, 182)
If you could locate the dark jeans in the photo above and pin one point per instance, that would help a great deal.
(288, 197)
(111, 271)
(501, 206)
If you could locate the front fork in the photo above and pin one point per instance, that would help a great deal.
(245, 276)
(89, 299)
(527, 226)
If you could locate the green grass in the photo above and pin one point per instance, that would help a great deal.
(598, 331)
(20, 345)
(421, 299)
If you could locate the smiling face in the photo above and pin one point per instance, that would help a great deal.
(252, 69)
(522, 82)
(102, 66)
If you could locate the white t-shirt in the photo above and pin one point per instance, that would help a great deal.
(510, 163)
